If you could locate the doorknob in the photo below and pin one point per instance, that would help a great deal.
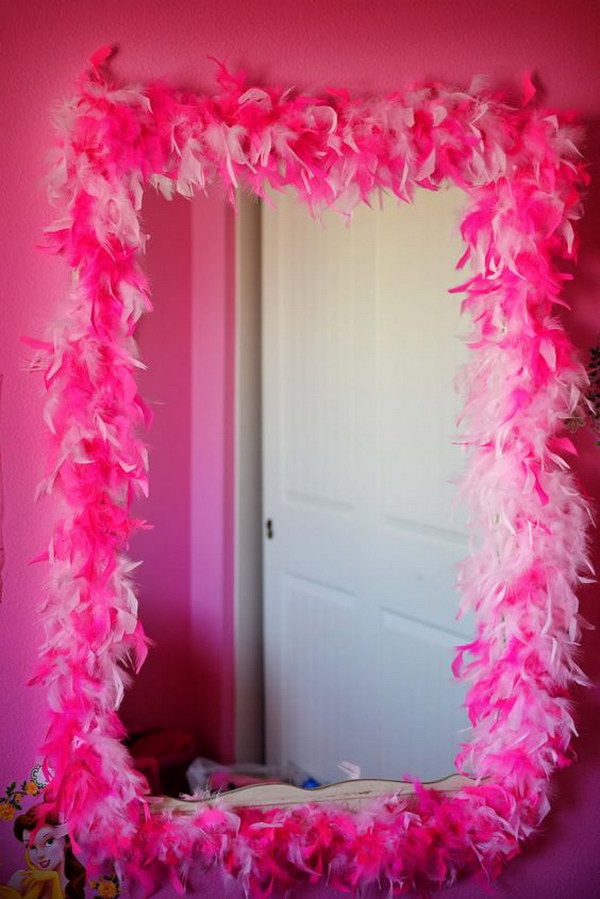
(269, 529)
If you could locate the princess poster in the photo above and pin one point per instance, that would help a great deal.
(50, 869)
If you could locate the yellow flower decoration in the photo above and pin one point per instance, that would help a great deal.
(107, 889)
(31, 788)
(7, 812)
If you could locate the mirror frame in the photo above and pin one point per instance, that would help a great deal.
(523, 176)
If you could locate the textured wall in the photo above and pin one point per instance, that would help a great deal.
(367, 47)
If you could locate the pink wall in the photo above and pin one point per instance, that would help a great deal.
(370, 47)
(211, 534)
(188, 345)
(162, 694)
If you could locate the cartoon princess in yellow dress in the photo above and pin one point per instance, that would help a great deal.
(52, 870)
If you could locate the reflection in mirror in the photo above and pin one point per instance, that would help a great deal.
(161, 709)
(355, 412)
(360, 353)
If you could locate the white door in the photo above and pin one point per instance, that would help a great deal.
(360, 350)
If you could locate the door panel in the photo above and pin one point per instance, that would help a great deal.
(359, 357)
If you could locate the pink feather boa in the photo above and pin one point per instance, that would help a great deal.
(523, 176)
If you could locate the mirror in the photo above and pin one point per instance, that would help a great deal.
(337, 303)
(522, 174)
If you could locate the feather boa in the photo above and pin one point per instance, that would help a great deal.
(523, 175)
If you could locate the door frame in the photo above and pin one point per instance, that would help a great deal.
(249, 739)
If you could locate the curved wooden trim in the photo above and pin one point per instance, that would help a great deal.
(278, 795)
